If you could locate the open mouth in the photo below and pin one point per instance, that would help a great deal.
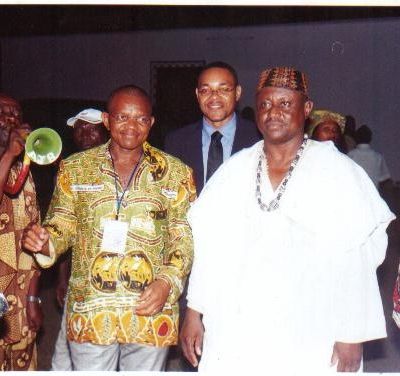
(129, 134)
(215, 105)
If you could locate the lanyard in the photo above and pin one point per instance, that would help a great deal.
(119, 200)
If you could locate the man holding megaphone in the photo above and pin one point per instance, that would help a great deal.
(121, 207)
(19, 273)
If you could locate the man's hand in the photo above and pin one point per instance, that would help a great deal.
(347, 356)
(191, 336)
(17, 140)
(153, 298)
(35, 239)
(34, 315)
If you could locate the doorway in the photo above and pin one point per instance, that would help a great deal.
(173, 86)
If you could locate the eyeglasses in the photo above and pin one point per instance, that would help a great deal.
(144, 121)
(221, 91)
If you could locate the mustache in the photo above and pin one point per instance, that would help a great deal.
(273, 122)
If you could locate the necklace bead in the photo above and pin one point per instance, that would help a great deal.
(274, 204)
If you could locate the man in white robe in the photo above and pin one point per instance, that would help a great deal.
(288, 235)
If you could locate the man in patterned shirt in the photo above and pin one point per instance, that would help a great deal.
(122, 208)
(19, 274)
(88, 132)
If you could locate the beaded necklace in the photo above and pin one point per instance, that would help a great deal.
(274, 204)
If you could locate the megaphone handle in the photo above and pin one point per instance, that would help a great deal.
(16, 187)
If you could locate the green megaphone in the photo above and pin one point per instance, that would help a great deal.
(43, 146)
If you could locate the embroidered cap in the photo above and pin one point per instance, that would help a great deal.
(319, 116)
(285, 77)
(90, 115)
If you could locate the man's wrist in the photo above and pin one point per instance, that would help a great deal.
(165, 280)
(192, 313)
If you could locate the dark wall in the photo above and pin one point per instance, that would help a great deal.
(352, 65)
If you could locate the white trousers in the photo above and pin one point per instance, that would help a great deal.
(123, 357)
(61, 360)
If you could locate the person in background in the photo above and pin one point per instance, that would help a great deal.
(206, 144)
(248, 114)
(324, 125)
(370, 160)
(88, 132)
(284, 271)
(122, 208)
(349, 132)
(88, 129)
(19, 274)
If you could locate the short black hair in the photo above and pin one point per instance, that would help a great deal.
(222, 65)
(350, 126)
(363, 135)
(130, 90)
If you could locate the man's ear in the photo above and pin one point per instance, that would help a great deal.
(105, 118)
(152, 121)
(197, 93)
(308, 106)
(238, 92)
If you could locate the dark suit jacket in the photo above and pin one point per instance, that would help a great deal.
(185, 144)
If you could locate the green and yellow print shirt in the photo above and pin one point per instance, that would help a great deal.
(104, 286)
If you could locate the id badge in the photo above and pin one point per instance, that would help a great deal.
(114, 236)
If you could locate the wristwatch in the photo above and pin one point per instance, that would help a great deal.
(32, 298)
(3, 304)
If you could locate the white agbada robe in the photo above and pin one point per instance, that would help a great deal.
(277, 289)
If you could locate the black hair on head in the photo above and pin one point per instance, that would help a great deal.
(363, 135)
(222, 65)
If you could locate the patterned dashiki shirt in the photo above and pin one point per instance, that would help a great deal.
(17, 268)
(104, 286)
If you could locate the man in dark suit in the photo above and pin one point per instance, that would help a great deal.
(205, 144)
